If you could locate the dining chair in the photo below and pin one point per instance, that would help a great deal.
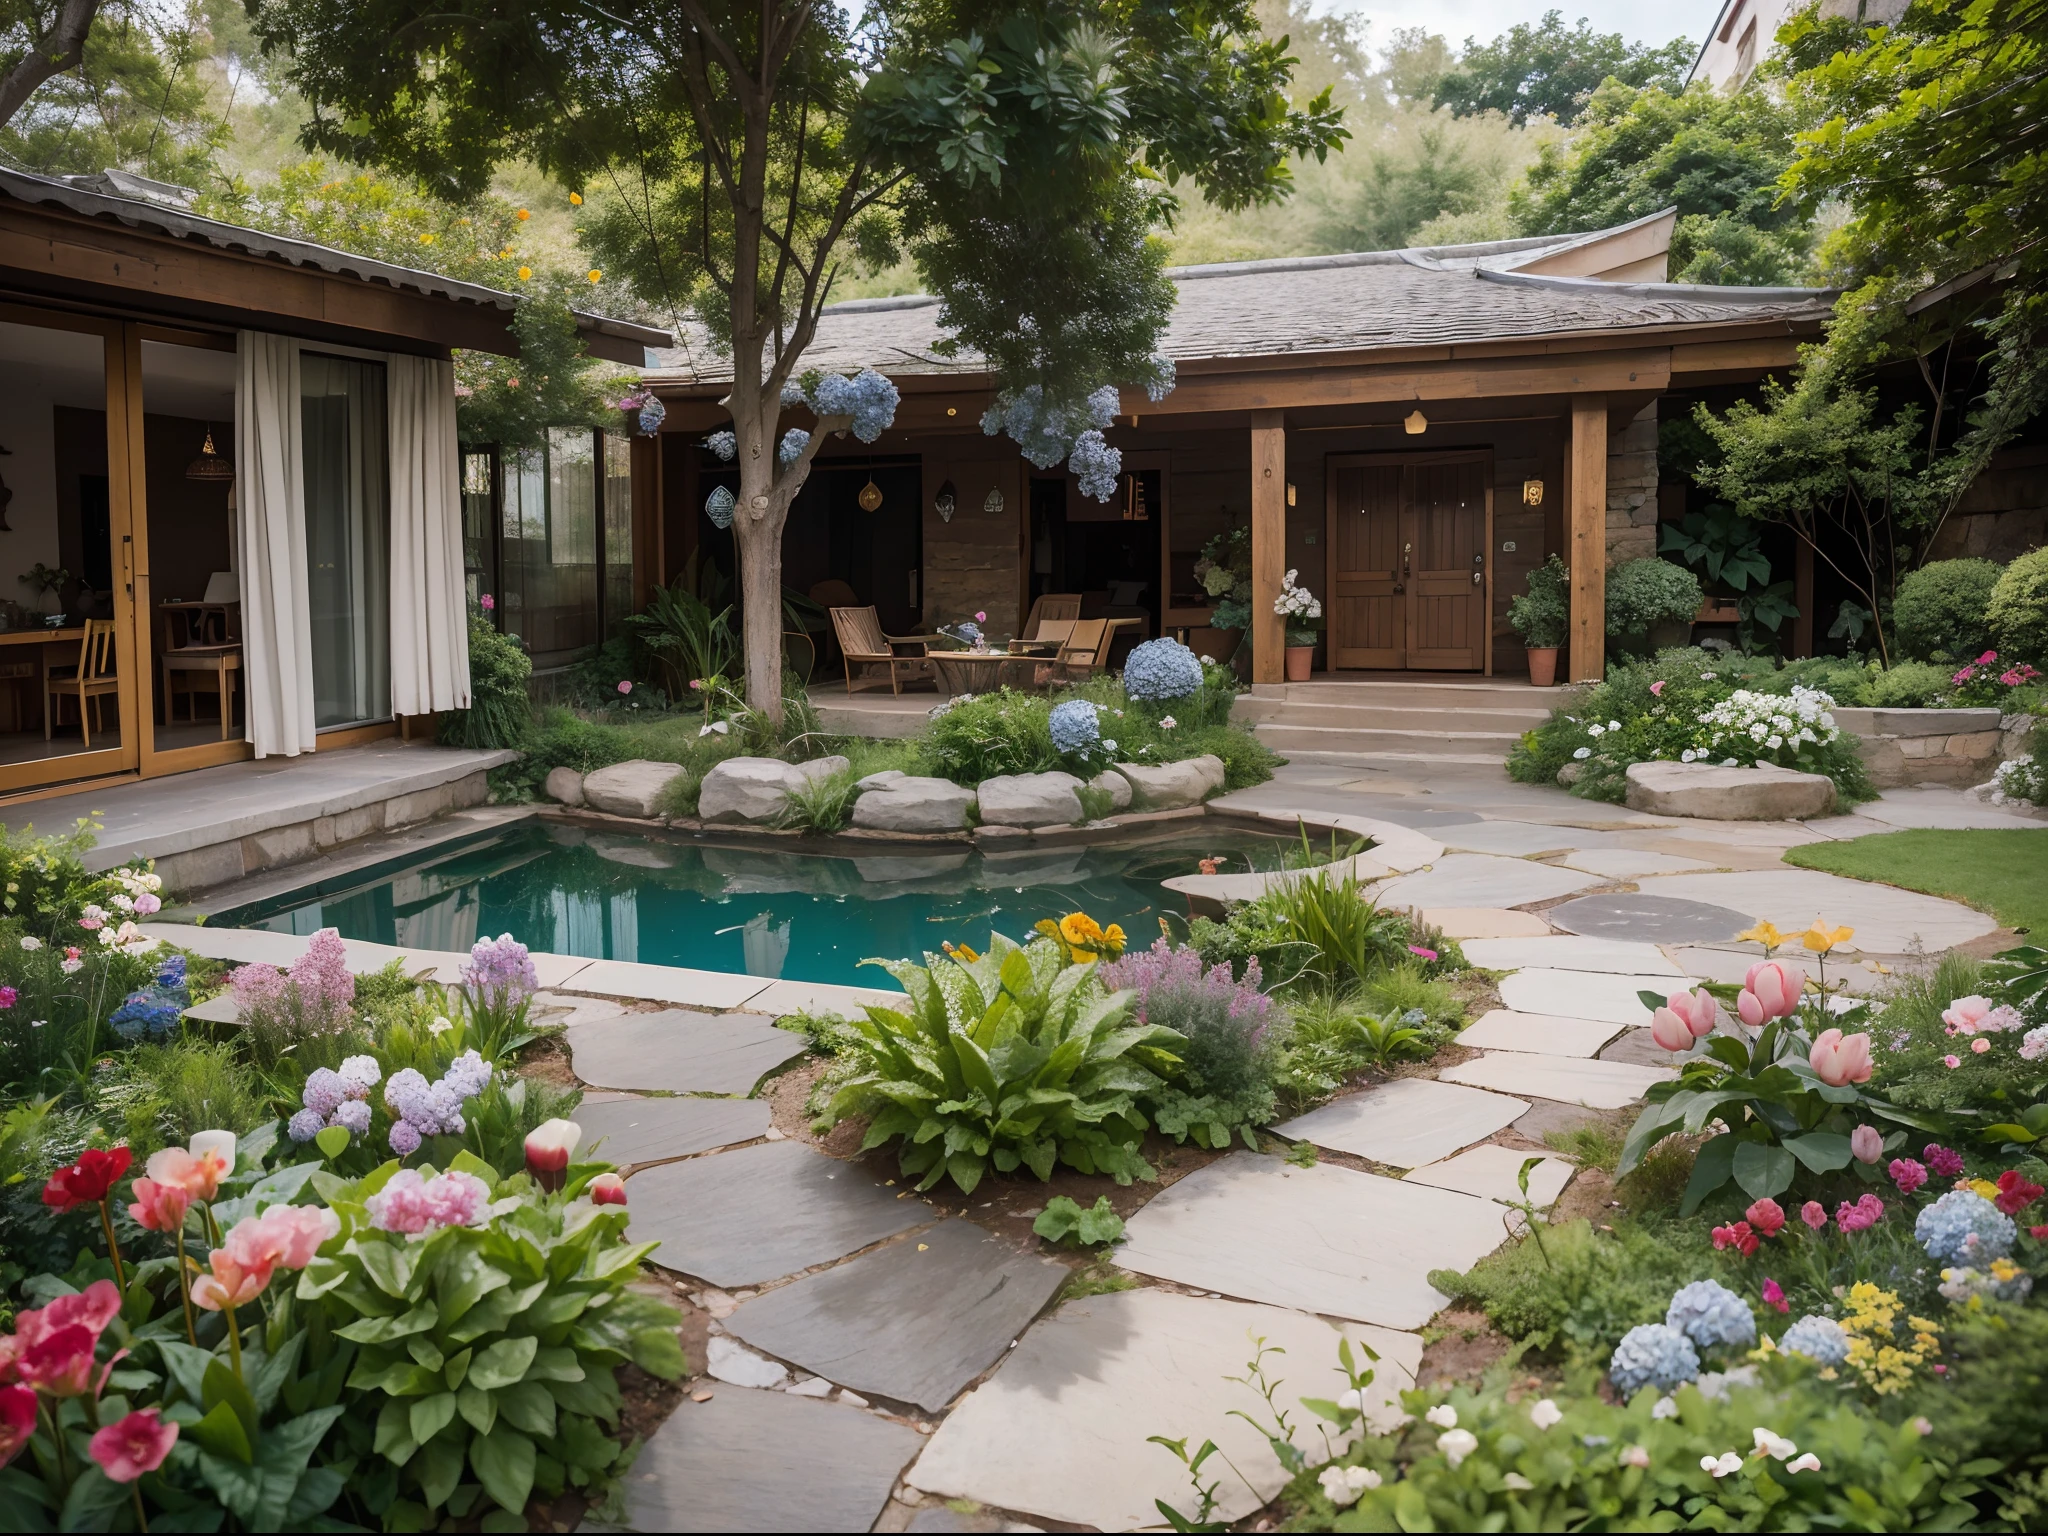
(90, 682)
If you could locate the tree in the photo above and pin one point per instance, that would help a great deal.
(737, 154)
(1551, 70)
(1717, 159)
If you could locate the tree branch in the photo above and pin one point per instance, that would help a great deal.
(60, 49)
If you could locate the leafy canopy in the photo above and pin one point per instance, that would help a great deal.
(1549, 70)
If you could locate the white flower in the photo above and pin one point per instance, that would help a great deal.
(1614, 725)
(1545, 1413)
(1345, 1484)
(1686, 756)
(1443, 1416)
(1726, 1463)
(1664, 1408)
(1772, 1444)
(1351, 1397)
(1807, 1463)
(1596, 730)
(1516, 1483)
(440, 1026)
(1457, 1445)
(1635, 1456)
(122, 903)
(1208, 661)
(70, 967)
(1167, 723)
(1583, 753)
(1775, 742)
(30, 942)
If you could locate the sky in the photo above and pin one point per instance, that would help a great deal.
(1657, 21)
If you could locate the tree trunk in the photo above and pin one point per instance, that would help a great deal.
(759, 537)
(60, 49)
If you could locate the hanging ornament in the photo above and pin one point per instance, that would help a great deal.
(718, 506)
(994, 503)
(870, 495)
(946, 502)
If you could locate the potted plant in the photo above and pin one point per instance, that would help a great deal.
(1542, 616)
(1304, 616)
(1651, 603)
(47, 583)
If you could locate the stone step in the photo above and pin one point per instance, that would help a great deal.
(1492, 694)
(1424, 743)
(1386, 759)
(1377, 717)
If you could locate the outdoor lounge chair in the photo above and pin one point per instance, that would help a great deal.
(863, 645)
(1050, 607)
(1081, 654)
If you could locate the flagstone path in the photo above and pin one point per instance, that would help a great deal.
(869, 1356)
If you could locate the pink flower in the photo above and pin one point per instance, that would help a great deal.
(487, 602)
(1865, 1213)
(287, 1235)
(1692, 1012)
(697, 683)
(625, 685)
(8, 997)
(1979, 1046)
(1774, 1296)
(17, 1420)
(60, 1362)
(607, 1189)
(1951, 1062)
(1865, 1144)
(1670, 1031)
(1907, 1174)
(159, 1207)
(2038, 1234)
(548, 1146)
(1417, 949)
(198, 1176)
(138, 1444)
(322, 969)
(1767, 1216)
(1814, 1214)
(1966, 1014)
(1944, 1163)
(1838, 1059)
(231, 1282)
(2016, 1192)
(1770, 991)
(412, 1204)
(1738, 1236)
(1657, 688)
(1987, 658)
(980, 618)
(147, 905)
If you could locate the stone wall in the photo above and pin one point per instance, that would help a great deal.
(974, 563)
(1632, 489)
(1907, 747)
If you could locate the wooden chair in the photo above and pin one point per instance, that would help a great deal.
(93, 679)
(1050, 606)
(862, 644)
(1080, 655)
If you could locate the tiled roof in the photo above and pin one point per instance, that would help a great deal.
(1316, 304)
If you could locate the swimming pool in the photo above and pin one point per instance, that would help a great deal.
(746, 908)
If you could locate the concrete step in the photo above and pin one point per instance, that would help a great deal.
(1423, 695)
(1427, 743)
(1383, 759)
(1376, 717)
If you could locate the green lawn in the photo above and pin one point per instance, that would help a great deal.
(2001, 872)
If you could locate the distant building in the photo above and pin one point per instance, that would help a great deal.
(1743, 32)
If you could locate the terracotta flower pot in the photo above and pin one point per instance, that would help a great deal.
(1300, 661)
(1543, 665)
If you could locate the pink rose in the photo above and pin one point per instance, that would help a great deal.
(1951, 1062)
(1838, 1059)
(1944, 1162)
(1766, 1216)
(1907, 1174)
(1987, 658)
(1864, 1214)
(1980, 1045)
(1966, 1015)
(980, 618)
(625, 685)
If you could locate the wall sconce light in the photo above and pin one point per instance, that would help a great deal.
(946, 502)
(1415, 424)
(1290, 493)
(1532, 493)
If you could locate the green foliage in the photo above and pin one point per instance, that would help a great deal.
(1542, 616)
(562, 740)
(1990, 1402)
(992, 733)
(1908, 685)
(498, 714)
(165, 1093)
(1910, 1068)
(1549, 69)
(692, 640)
(1580, 1290)
(1062, 1218)
(2018, 610)
(1641, 594)
(822, 805)
(1723, 543)
(1942, 610)
(1010, 1059)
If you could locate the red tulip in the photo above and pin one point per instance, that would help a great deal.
(87, 1181)
(1838, 1059)
(548, 1146)
(607, 1189)
(138, 1444)
(17, 1421)
(2016, 1192)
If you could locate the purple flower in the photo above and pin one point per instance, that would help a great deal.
(324, 1090)
(306, 1124)
(1944, 1163)
(353, 1115)
(500, 972)
(322, 972)
(8, 997)
(405, 1138)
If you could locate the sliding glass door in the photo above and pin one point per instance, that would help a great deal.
(347, 538)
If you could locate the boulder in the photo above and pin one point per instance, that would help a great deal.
(757, 789)
(629, 789)
(1728, 794)
(877, 780)
(903, 803)
(1169, 786)
(1117, 785)
(564, 785)
(1030, 800)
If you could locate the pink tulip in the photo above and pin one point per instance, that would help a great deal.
(285, 1234)
(1865, 1144)
(229, 1284)
(1814, 1214)
(17, 1421)
(607, 1189)
(1966, 1015)
(1766, 1216)
(1697, 1009)
(60, 1363)
(138, 1444)
(1750, 1010)
(159, 1207)
(1839, 1059)
(1670, 1031)
(198, 1176)
(1776, 987)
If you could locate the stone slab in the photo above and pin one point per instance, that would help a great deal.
(914, 1321)
(1595, 1084)
(1493, 1173)
(767, 1461)
(1570, 952)
(1482, 879)
(1658, 917)
(1405, 1123)
(1713, 793)
(1639, 1048)
(1520, 838)
(1463, 923)
(1547, 1116)
(1060, 1430)
(1629, 863)
(1594, 995)
(1887, 920)
(678, 1051)
(729, 1361)
(1942, 808)
(1324, 1239)
(1545, 1034)
(779, 999)
(666, 983)
(638, 1131)
(756, 1214)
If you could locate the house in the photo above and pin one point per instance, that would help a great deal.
(235, 516)
(1411, 431)
(1743, 32)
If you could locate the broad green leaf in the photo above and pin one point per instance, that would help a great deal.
(555, 1365)
(221, 1432)
(658, 1352)
(1762, 1170)
(1821, 1151)
(431, 1415)
(1710, 1170)
(223, 1386)
(503, 1363)
(389, 1265)
(93, 1502)
(529, 1406)
(503, 1460)
(394, 1439)
(386, 1330)
(439, 1469)
(457, 1369)
(187, 1367)
(332, 1141)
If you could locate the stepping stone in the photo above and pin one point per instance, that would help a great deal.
(641, 1131)
(1639, 1048)
(1661, 918)
(678, 1051)
(1405, 1123)
(1324, 1239)
(1732, 964)
(1568, 952)
(1521, 838)
(782, 998)
(1493, 1173)
(1888, 920)
(1628, 863)
(762, 1212)
(1545, 1034)
(1586, 994)
(915, 1321)
(1059, 1431)
(741, 1367)
(663, 983)
(1595, 1084)
(1481, 879)
(1485, 923)
(767, 1461)
(1547, 1115)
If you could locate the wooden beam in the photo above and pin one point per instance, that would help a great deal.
(1693, 359)
(1586, 519)
(1269, 544)
(1647, 369)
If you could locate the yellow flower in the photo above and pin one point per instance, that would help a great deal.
(1765, 934)
(575, 199)
(1080, 930)
(961, 952)
(426, 239)
(507, 251)
(594, 273)
(525, 273)
(1820, 938)
(1113, 936)
(522, 215)
(1984, 1187)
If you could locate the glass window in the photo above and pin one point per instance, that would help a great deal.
(479, 541)
(549, 574)
(347, 538)
(618, 532)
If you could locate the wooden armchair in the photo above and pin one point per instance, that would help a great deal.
(1049, 607)
(1081, 654)
(863, 645)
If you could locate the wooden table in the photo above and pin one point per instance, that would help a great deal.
(29, 670)
(974, 671)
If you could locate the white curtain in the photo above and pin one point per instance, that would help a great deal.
(429, 601)
(277, 640)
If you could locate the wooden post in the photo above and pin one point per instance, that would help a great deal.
(1586, 525)
(1269, 544)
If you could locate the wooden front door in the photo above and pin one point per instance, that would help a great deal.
(1408, 536)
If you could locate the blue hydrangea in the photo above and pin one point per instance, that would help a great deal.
(792, 446)
(793, 392)
(1963, 1225)
(718, 506)
(1708, 1313)
(148, 1012)
(1159, 383)
(1160, 670)
(1818, 1338)
(1049, 433)
(867, 397)
(1075, 729)
(723, 444)
(1095, 465)
(172, 972)
(1652, 1355)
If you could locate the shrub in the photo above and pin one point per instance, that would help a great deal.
(166, 1093)
(1842, 678)
(821, 806)
(498, 714)
(1641, 594)
(1542, 616)
(1940, 613)
(1226, 1056)
(976, 737)
(2018, 610)
(1161, 671)
(1350, 938)
(1908, 685)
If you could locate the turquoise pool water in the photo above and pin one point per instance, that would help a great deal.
(745, 908)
